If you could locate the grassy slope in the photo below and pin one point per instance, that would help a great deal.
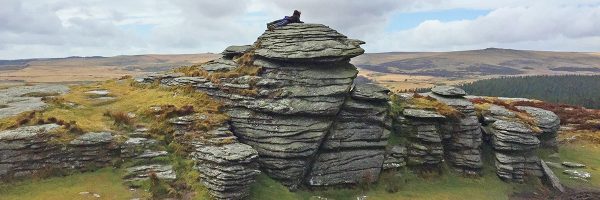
(89, 112)
(582, 153)
(105, 182)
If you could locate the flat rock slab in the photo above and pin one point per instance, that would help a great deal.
(26, 132)
(579, 174)
(573, 165)
(315, 42)
(448, 91)
(418, 113)
(93, 138)
(370, 92)
(14, 100)
(235, 50)
(98, 92)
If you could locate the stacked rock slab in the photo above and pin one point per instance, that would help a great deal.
(305, 79)
(228, 170)
(462, 137)
(421, 128)
(514, 144)
(27, 150)
(354, 149)
(548, 122)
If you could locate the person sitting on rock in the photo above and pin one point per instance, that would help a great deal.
(295, 18)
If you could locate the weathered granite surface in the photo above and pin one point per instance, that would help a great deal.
(30, 149)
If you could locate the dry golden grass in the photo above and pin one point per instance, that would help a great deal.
(89, 113)
(419, 101)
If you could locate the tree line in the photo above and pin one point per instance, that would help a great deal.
(582, 90)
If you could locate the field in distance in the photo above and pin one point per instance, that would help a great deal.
(395, 70)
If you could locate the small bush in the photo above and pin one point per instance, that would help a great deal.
(120, 118)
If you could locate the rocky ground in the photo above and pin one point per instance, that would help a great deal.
(19, 99)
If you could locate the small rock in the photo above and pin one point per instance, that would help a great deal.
(578, 174)
(573, 165)
(84, 193)
(448, 91)
(98, 92)
(96, 195)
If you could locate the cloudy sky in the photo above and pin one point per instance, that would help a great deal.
(60, 28)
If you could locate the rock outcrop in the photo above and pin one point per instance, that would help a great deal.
(421, 129)
(27, 150)
(301, 112)
(354, 149)
(462, 136)
(514, 144)
(548, 122)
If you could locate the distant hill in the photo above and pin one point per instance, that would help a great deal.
(477, 63)
(93, 68)
(395, 70)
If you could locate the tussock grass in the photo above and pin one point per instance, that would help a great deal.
(482, 106)
(245, 67)
(422, 102)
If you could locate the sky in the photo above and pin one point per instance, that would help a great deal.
(61, 28)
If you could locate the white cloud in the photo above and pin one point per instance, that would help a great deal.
(58, 28)
(541, 26)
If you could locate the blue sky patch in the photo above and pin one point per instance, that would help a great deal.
(405, 20)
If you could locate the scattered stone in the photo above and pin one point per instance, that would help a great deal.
(98, 92)
(96, 195)
(578, 174)
(573, 165)
(163, 172)
(84, 193)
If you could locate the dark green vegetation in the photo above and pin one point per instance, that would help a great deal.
(567, 89)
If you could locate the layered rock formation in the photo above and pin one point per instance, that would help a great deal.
(421, 128)
(302, 113)
(462, 136)
(31, 149)
(548, 122)
(228, 170)
(514, 144)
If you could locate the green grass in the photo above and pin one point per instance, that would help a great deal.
(581, 152)
(105, 182)
(447, 186)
